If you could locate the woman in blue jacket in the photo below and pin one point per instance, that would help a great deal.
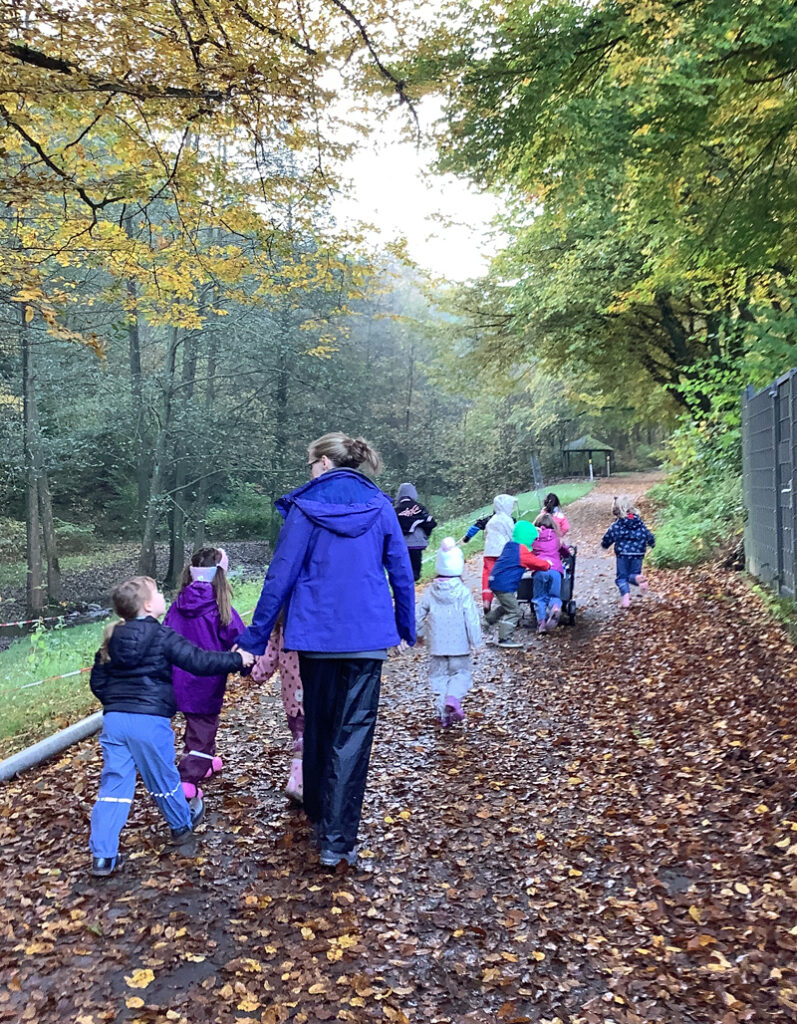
(328, 572)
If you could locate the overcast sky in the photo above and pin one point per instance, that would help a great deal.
(445, 221)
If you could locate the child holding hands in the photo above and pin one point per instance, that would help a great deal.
(132, 678)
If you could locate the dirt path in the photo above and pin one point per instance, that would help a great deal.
(611, 839)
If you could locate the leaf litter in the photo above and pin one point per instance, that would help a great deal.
(611, 838)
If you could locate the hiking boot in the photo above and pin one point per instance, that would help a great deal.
(509, 644)
(553, 619)
(625, 600)
(101, 867)
(331, 859)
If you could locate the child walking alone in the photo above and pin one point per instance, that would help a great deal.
(202, 613)
(630, 537)
(446, 618)
(132, 679)
(276, 658)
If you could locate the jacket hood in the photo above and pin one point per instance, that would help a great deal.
(446, 588)
(407, 491)
(130, 642)
(504, 503)
(342, 501)
(525, 533)
(196, 599)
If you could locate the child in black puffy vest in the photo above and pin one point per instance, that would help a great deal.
(132, 678)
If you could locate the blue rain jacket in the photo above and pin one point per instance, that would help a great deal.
(328, 571)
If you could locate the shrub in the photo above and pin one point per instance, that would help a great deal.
(246, 514)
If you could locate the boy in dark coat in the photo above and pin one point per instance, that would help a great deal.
(132, 678)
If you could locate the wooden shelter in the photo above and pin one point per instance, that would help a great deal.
(578, 456)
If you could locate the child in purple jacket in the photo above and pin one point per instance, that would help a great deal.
(202, 613)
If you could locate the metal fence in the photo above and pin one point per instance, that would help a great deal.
(769, 454)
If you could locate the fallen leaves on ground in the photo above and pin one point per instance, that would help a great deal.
(613, 838)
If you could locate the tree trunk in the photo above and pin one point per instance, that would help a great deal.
(136, 387)
(34, 591)
(203, 494)
(155, 504)
(54, 592)
(180, 493)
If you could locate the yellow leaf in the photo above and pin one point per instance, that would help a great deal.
(134, 1002)
(317, 989)
(195, 958)
(308, 933)
(538, 956)
(28, 314)
(694, 913)
(38, 947)
(740, 887)
(406, 815)
(140, 978)
(575, 873)
(761, 809)
(575, 780)
(248, 1004)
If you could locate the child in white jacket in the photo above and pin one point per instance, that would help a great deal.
(447, 620)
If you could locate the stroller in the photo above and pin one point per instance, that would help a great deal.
(525, 591)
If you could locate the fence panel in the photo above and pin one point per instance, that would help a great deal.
(769, 454)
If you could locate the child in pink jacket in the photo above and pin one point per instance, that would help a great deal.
(287, 662)
(547, 584)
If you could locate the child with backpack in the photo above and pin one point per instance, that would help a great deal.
(447, 620)
(203, 613)
(276, 658)
(132, 679)
(631, 538)
(498, 529)
(416, 524)
(505, 578)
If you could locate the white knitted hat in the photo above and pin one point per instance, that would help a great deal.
(450, 561)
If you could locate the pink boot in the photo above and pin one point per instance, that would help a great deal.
(625, 600)
(295, 786)
(452, 712)
(642, 583)
(191, 791)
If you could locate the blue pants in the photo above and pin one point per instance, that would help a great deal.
(547, 592)
(628, 568)
(128, 742)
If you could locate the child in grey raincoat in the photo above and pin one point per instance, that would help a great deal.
(447, 619)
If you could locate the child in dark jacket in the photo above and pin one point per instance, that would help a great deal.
(202, 613)
(416, 523)
(630, 537)
(505, 578)
(132, 678)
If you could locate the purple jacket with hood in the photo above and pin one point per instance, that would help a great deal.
(328, 571)
(195, 615)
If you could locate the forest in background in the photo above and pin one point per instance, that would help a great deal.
(180, 313)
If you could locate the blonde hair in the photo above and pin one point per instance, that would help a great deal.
(346, 452)
(221, 587)
(127, 599)
(624, 506)
(546, 519)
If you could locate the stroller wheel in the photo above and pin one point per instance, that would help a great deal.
(571, 612)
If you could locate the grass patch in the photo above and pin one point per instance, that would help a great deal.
(31, 712)
(694, 520)
(528, 505)
(13, 574)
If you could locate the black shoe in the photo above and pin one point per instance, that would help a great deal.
(196, 807)
(101, 867)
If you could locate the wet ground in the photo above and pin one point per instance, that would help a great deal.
(610, 838)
